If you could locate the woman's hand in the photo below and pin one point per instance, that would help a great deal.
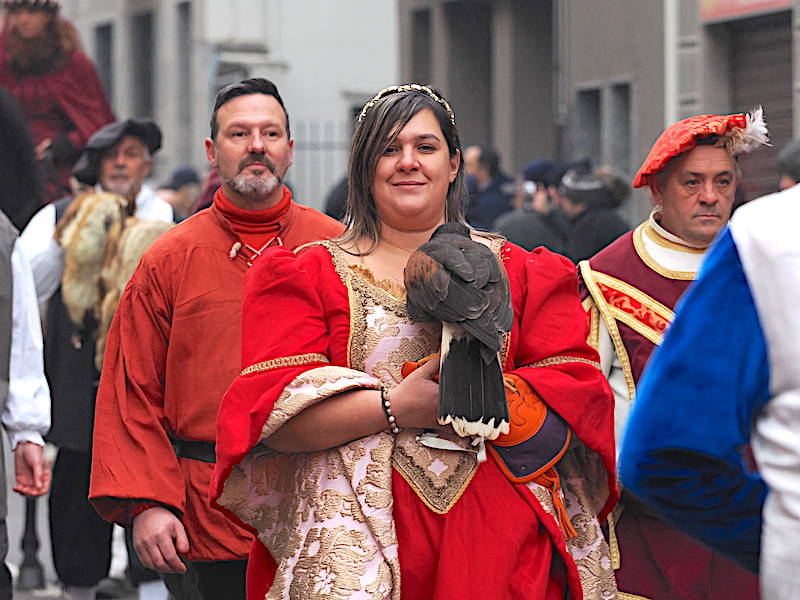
(415, 402)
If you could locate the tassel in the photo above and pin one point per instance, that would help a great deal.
(551, 480)
(234, 250)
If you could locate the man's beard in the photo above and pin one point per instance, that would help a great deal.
(255, 187)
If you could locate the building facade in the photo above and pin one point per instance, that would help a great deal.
(568, 79)
(166, 59)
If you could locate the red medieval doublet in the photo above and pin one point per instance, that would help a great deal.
(172, 350)
(636, 296)
(464, 531)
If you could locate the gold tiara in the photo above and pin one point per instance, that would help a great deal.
(411, 87)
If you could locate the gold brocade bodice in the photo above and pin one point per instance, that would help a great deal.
(382, 338)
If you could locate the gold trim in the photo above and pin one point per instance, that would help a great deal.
(665, 243)
(439, 510)
(561, 360)
(626, 596)
(635, 293)
(613, 543)
(635, 324)
(638, 244)
(285, 361)
(588, 276)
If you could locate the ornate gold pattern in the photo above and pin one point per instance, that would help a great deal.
(326, 517)
(663, 311)
(439, 477)
(638, 244)
(588, 276)
(286, 361)
(562, 360)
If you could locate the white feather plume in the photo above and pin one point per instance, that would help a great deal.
(754, 134)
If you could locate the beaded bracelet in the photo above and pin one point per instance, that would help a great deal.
(386, 405)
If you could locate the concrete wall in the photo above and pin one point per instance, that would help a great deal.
(611, 42)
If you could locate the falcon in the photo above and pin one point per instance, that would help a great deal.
(458, 281)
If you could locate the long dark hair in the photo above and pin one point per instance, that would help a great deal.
(20, 184)
(379, 126)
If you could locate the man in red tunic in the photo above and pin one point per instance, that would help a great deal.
(173, 349)
(630, 291)
(43, 66)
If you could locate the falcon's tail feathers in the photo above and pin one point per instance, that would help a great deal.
(471, 392)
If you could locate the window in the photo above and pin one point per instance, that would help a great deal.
(142, 53)
(104, 56)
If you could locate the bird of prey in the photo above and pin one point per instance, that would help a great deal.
(458, 281)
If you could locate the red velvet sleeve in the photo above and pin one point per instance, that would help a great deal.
(284, 333)
(80, 95)
(549, 350)
(132, 457)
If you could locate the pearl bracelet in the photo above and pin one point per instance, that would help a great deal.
(386, 405)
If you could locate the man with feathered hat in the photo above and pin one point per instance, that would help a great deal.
(42, 64)
(630, 290)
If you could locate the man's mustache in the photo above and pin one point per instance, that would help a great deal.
(257, 159)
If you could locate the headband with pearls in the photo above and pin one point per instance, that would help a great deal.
(411, 87)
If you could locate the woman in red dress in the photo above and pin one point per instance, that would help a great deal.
(344, 504)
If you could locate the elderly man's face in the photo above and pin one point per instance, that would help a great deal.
(125, 166)
(696, 194)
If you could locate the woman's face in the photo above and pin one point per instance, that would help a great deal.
(29, 23)
(413, 174)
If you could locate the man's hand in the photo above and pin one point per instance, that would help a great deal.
(42, 148)
(33, 474)
(159, 536)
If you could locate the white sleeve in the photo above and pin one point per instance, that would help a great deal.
(26, 417)
(776, 445)
(611, 366)
(46, 257)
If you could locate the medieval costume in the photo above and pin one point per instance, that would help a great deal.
(59, 91)
(81, 541)
(171, 352)
(630, 290)
(24, 394)
(716, 385)
(401, 515)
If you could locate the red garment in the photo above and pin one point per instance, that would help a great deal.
(657, 561)
(254, 227)
(68, 105)
(307, 309)
(172, 350)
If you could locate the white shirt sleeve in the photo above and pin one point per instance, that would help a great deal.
(26, 417)
(611, 366)
(46, 257)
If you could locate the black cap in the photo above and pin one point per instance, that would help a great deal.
(87, 169)
(601, 188)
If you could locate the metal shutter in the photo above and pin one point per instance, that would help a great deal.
(761, 73)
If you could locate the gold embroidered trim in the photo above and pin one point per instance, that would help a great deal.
(442, 504)
(638, 244)
(594, 328)
(659, 239)
(613, 543)
(286, 361)
(588, 276)
(635, 293)
(562, 360)
(635, 324)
